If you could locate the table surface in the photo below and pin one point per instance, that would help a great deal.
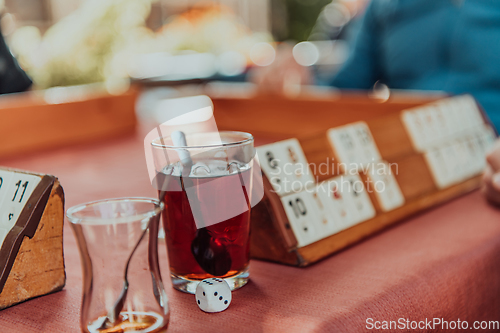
(440, 264)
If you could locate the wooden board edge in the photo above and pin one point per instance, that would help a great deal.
(335, 243)
(62, 126)
(266, 241)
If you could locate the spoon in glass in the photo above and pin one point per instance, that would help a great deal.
(211, 255)
(113, 315)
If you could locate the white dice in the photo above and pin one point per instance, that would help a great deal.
(213, 295)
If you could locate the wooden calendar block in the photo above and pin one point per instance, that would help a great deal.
(31, 235)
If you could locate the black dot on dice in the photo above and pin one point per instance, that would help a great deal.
(198, 301)
(220, 298)
(225, 302)
(215, 294)
(214, 279)
(203, 293)
(305, 228)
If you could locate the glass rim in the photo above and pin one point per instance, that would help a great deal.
(70, 213)
(247, 138)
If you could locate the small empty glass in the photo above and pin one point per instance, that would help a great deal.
(122, 285)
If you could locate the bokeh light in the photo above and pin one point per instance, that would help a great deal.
(262, 54)
(306, 53)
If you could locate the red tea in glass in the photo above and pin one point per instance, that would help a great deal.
(181, 230)
(220, 249)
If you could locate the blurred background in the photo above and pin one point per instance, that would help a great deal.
(70, 42)
(178, 48)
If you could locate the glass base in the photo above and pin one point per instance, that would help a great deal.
(132, 321)
(189, 286)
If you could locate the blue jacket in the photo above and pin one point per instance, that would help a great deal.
(449, 45)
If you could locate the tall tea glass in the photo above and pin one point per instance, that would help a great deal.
(118, 240)
(206, 187)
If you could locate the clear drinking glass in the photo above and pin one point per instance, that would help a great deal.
(207, 206)
(110, 234)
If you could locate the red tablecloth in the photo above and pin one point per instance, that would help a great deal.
(441, 264)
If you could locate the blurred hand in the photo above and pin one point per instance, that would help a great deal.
(284, 75)
(491, 176)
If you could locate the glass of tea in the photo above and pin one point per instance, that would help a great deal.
(206, 185)
(122, 285)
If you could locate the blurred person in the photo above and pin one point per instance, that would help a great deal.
(12, 77)
(282, 73)
(339, 20)
(448, 45)
(491, 176)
